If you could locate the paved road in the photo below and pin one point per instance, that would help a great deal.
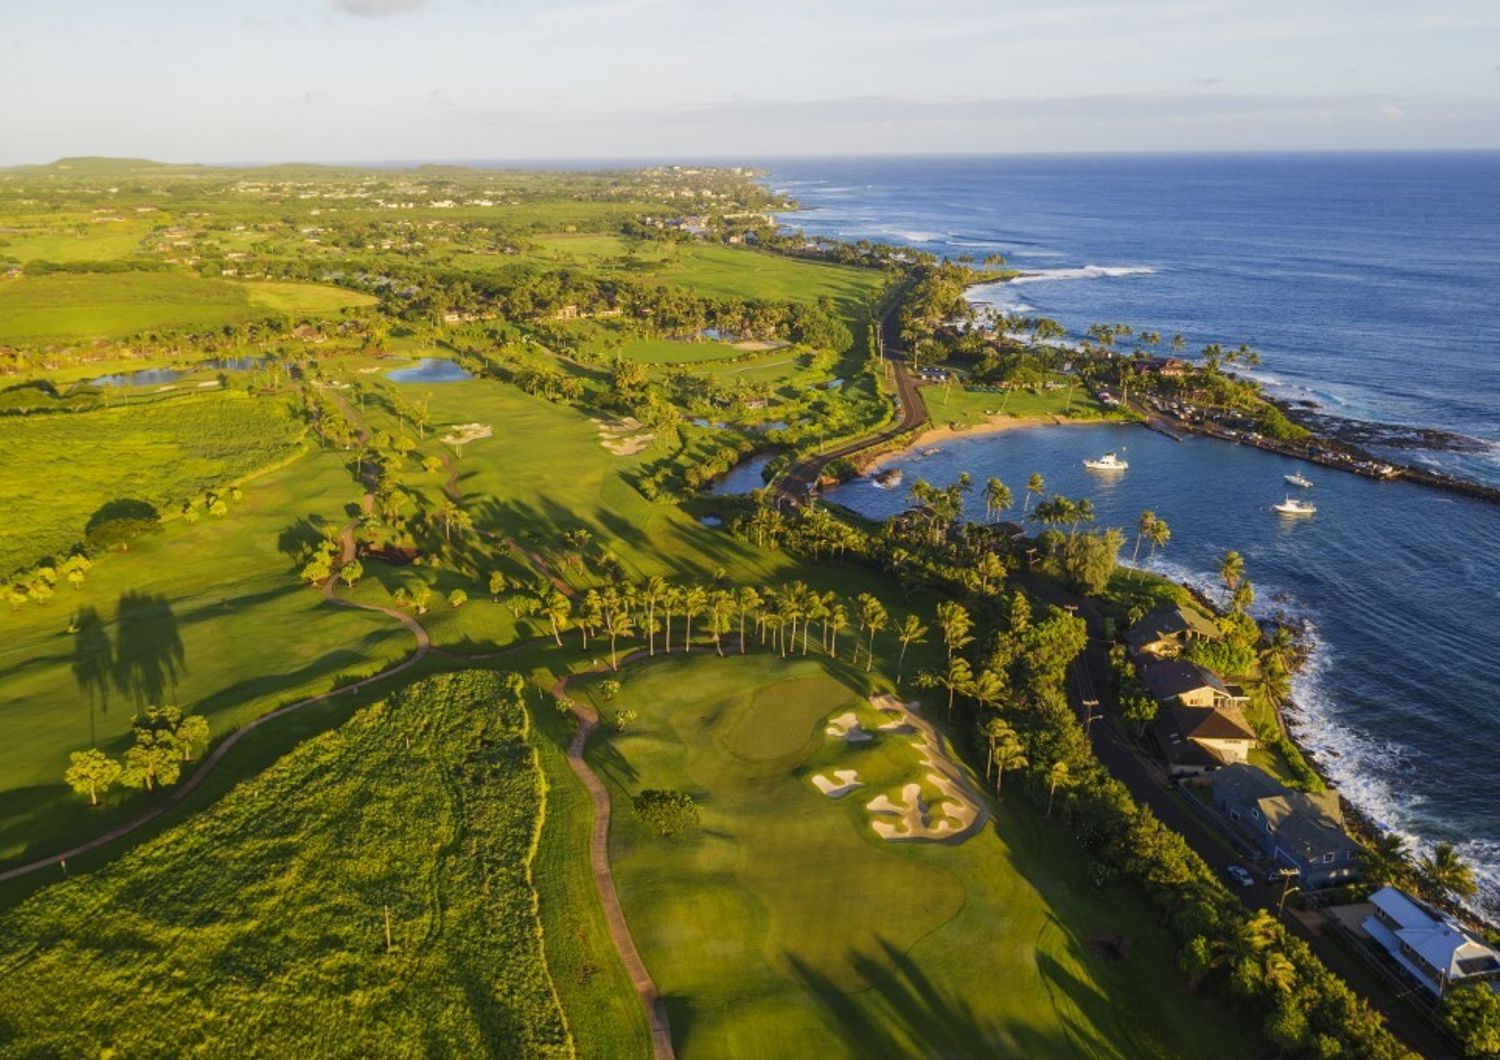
(1149, 785)
(911, 414)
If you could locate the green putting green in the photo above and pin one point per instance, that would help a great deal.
(784, 926)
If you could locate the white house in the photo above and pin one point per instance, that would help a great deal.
(1431, 949)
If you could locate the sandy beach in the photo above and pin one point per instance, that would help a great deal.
(998, 424)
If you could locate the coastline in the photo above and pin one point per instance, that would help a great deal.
(994, 425)
(1293, 717)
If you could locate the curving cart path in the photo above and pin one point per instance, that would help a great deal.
(604, 880)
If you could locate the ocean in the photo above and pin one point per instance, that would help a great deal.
(1371, 285)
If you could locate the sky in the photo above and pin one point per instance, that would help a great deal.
(396, 80)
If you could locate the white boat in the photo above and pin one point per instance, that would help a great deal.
(1107, 462)
(1301, 481)
(1294, 507)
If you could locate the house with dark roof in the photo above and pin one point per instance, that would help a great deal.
(1297, 830)
(1201, 725)
(1432, 950)
(1196, 740)
(1166, 631)
(1177, 681)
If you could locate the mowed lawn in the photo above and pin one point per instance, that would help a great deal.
(258, 926)
(65, 306)
(785, 927)
(57, 470)
(546, 472)
(209, 615)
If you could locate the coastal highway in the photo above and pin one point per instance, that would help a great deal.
(1149, 785)
(911, 415)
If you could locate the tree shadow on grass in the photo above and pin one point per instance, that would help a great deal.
(904, 1014)
(148, 654)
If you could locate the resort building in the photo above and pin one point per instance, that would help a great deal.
(1297, 830)
(1430, 949)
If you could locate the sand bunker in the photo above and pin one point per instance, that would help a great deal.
(847, 727)
(844, 781)
(464, 433)
(956, 813)
(624, 436)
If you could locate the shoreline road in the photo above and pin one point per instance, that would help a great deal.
(911, 414)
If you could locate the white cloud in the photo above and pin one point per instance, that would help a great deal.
(375, 8)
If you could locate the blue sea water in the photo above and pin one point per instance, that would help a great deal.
(1370, 283)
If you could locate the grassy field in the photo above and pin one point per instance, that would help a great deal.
(209, 615)
(958, 407)
(258, 927)
(63, 306)
(159, 453)
(96, 242)
(784, 926)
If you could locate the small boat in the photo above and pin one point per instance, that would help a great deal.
(1301, 481)
(1107, 462)
(1294, 507)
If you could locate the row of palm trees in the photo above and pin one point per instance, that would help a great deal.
(792, 618)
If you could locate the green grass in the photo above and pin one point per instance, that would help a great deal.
(63, 306)
(784, 926)
(257, 927)
(161, 453)
(956, 406)
(545, 472)
(674, 351)
(209, 615)
(106, 241)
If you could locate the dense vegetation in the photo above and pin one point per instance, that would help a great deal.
(367, 895)
(615, 342)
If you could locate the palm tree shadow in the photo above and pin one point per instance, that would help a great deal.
(902, 1013)
(148, 654)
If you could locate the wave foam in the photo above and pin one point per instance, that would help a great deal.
(1086, 272)
(1371, 774)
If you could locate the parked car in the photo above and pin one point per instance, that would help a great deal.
(1241, 875)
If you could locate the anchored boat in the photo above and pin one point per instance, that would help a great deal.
(1294, 507)
(1107, 462)
(1300, 481)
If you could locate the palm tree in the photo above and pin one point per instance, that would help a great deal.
(1231, 569)
(671, 600)
(956, 625)
(1058, 776)
(911, 632)
(838, 621)
(1143, 528)
(1386, 860)
(558, 609)
(997, 498)
(1160, 534)
(1443, 874)
(1280, 649)
(654, 589)
(1008, 755)
(872, 617)
(694, 600)
(954, 679)
(986, 688)
(1035, 486)
(747, 599)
